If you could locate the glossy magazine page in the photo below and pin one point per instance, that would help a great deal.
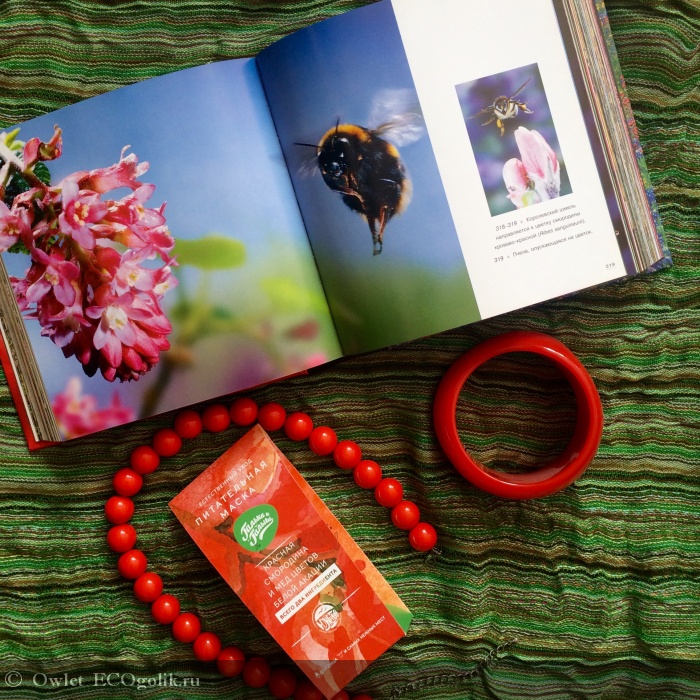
(160, 259)
(378, 220)
(513, 150)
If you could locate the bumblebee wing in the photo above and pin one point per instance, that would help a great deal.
(396, 116)
(482, 112)
(309, 162)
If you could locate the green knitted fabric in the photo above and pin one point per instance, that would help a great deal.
(591, 593)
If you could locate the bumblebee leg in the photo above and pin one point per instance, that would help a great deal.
(383, 219)
(499, 124)
(375, 236)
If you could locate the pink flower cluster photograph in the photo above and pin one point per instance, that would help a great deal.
(99, 266)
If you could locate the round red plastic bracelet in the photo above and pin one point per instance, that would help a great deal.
(557, 474)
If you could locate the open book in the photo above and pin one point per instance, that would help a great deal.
(402, 169)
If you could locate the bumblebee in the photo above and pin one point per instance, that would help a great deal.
(504, 108)
(364, 165)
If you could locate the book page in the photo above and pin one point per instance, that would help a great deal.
(236, 302)
(512, 148)
(380, 226)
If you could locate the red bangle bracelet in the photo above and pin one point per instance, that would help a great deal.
(558, 473)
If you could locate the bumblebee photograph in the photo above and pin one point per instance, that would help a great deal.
(514, 140)
(364, 166)
(364, 173)
(503, 108)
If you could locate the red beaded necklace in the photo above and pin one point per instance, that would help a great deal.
(186, 627)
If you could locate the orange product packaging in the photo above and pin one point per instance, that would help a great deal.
(274, 541)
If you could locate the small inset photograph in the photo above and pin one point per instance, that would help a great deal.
(514, 140)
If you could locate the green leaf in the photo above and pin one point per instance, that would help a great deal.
(221, 313)
(180, 310)
(42, 172)
(18, 247)
(218, 320)
(16, 186)
(212, 252)
(287, 295)
(11, 140)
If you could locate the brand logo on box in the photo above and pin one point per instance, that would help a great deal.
(256, 528)
(326, 617)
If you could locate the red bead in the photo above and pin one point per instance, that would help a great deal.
(389, 493)
(207, 647)
(323, 440)
(144, 459)
(271, 416)
(119, 509)
(423, 537)
(132, 564)
(186, 627)
(244, 411)
(282, 683)
(347, 454)
(256, 672)
(298, 426)
(342, 695)
(167, 442)
(148, 586)
(306, 690)
(230, 662)
(367, 474)
(121, 538)
(165, 609)
(188, 424)
(361, 696)
(216, 418)
(127, 482)
(405, 515)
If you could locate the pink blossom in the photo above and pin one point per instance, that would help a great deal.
(55, 274)
(519, 185)
(14, 224)
(130, 333)
(536, 177)
(81, 346)
(35, 150)
(121, 174)
(163, 281)
(19, 287)
(128, 272)
(540, 161)
(80, 208)
(135, 226)
(78, 414)
(131, 210)
(62, 323)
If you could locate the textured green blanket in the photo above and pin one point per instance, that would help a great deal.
(591, 593)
